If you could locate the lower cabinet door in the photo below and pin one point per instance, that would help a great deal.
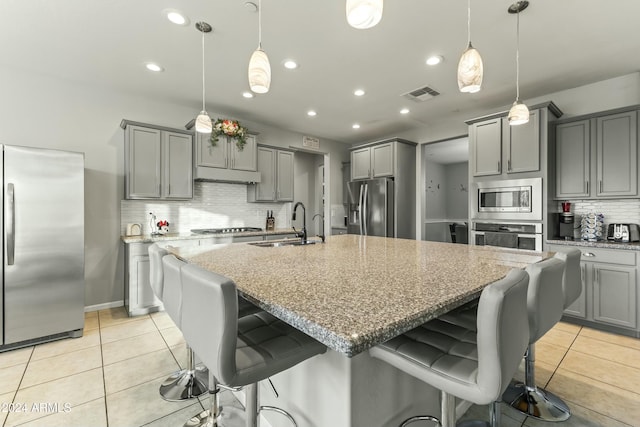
(579, 306)
(614, 295)
(143, 292)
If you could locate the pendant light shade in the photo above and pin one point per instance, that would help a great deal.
(203, 121)
(363, 14)
(470, 69)
(259, 72)
(519, 113)
(259, 67)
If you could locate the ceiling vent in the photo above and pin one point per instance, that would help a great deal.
(421, 94)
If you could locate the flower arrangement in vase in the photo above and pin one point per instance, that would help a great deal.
(230, 128)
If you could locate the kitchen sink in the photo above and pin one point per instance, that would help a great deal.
(278, 244)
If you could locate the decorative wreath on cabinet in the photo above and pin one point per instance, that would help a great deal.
(231, 129)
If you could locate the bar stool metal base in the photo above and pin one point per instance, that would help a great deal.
(537, 403)
(413, 419)
(229, 417)
(187, 383)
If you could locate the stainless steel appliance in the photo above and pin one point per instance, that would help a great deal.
(42, 294)
(623, 232)
(517, 236)
(515, 199)
(371, 207)
(224, 230)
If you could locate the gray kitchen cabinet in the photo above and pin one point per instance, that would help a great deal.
(158, 162)
(138, 295)
(609, 295)
(617, 155)
(346, 178)
(573, 148)
(522, 144)
(372, 162)
(225, 154)
(276, 176)
(485, 143)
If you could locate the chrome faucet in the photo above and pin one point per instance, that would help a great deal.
(303, 233)
(321, 236)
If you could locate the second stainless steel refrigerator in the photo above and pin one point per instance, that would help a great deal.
(371, 207)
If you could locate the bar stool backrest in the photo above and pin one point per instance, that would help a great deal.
(545, 298)
(172, 293)
(156, 275)
(503, 332)
(572, 279)
(210, 325)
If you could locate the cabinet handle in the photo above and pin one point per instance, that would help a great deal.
(582, 272)
(597, 274)
(509, 165)
(374, 173)
(587, 182)
(588, 254)
(600, 186)
(499, 166)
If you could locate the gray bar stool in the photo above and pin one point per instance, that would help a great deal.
(238, 351)
(471, 360)
(545, 310)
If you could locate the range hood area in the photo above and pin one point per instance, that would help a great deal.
(203, 173)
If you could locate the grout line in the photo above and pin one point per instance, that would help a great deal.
(562, 359)
(104, 381)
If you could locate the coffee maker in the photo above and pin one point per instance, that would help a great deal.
(566, 220)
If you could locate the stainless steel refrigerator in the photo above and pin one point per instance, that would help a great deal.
(371, 207)
(42, 217)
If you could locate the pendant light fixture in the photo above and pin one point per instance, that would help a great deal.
(519, 113)
(259, 67)
(470, 70)
(363, 14)
(203, 121)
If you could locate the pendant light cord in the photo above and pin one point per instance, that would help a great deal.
(468, 22)
(260, 24)
(518, 56)
(203, 86)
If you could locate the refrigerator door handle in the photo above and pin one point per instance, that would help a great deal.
(11, 225)
(365, 202)
(360, 209)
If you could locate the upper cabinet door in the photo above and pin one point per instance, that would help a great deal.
(285, 176)
(143, 162)
(265, 190)
(246, 159)
(361, 163)
(178, 165)
(617, 155)
(573, 158)
(382, 160)
(486, 145)
(208, 155)
(522, 145)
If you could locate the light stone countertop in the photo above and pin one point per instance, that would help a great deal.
(606, 244)
(147, 238)
(354, 292)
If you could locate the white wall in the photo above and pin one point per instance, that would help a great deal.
(456, 187)
(40, 111)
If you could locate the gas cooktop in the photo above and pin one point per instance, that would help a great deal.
(224, 230)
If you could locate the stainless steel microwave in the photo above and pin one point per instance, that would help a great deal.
(513, 199)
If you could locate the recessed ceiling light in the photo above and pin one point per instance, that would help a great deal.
(176, 17)
(358, 92)
(290, 64)
(355, 126)
(153, 67)
(311, 113)
(247, 94)
(434, 60)
(404, 111)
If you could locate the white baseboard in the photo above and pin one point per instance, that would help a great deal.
(96, 307)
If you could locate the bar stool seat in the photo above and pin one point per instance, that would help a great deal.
(473, 361)
(238, 351)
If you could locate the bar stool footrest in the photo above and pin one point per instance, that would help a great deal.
(421, 418)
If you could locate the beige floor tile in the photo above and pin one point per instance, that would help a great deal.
(131, 372)
(543, 373)
(181, 355)
(510, 417)
(51, 368)
(15, 357)
(87, 414)
(580, 417)
(90, 338)
(5, 399)
(605, 371)
(139, 405)
(177, 418)
(10, 377)
(568, 327)
(90, 314)
(549, 353)
(116, 316)
(558, 337)
(127, 330)
(602, 398)
(162, 320)
(172, 336)
(91, 323)
(611, 338)
(74, 390)
(605, 350)
(127, 348)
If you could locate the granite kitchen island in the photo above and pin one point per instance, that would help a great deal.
(352, 293)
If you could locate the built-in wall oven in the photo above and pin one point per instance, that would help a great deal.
(515, 199)
(507, 235)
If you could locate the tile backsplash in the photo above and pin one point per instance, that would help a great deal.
(618, 210)
(214, 205)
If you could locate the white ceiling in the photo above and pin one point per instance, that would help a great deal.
(564, 44)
